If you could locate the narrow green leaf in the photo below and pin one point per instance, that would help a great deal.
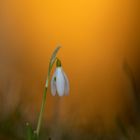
(53, 57)
(54, 54)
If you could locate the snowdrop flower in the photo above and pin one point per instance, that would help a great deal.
(59, 82)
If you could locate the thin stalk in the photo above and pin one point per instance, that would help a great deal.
(52, 61)
(41, 111)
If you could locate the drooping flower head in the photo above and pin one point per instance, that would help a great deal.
(59, 82)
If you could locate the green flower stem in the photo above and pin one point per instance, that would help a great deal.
(52, 61)
(42, 105)
(41, 111)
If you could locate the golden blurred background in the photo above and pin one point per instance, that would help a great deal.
(97, 37)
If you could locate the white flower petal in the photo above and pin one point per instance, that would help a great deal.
(53, 85)
(66, 88)
(60, 81)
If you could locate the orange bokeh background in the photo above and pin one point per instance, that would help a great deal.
(96, 37)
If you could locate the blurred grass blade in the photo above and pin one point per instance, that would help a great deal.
(122, 128)
(130, 74)
(30, 134)
(132, 79)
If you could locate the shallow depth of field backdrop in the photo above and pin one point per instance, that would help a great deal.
(97, 37)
